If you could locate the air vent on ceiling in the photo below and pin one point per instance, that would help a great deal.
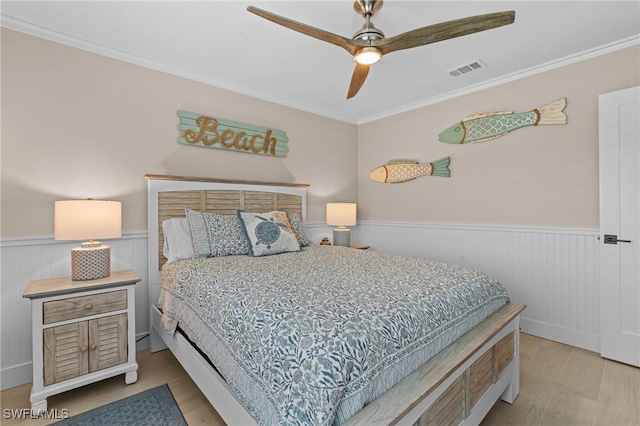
(467, 68)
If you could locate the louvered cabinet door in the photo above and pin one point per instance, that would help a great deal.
(107, 342)
(65, 352)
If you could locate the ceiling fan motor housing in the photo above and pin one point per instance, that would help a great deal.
(368, 31)
(367, 7)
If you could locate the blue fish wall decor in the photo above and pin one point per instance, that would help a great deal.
(491, 125)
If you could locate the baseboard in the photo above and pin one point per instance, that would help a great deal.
(16, 375)
(568, 336)
(142, 341)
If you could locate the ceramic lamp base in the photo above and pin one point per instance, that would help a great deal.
(90, 262)
(341, 237)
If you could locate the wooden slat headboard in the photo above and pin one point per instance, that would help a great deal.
(173, 204)
(169, 196)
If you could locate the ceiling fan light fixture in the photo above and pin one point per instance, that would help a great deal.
(368, 55)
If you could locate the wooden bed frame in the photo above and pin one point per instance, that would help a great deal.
(457, 386)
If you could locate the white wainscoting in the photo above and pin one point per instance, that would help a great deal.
(555, 272)
(316, 231)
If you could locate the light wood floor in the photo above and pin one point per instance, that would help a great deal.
(563, 385)
(559, 385)
(153, 370)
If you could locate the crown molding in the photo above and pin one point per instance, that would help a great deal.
(58, 37)
(558, 63)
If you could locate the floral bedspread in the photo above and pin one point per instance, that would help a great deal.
(311, 337)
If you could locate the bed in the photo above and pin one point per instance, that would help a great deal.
(349, 344)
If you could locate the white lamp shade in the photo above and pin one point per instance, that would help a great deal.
(87, 219)
(341, 214)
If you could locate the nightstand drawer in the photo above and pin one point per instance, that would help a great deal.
(78, 307)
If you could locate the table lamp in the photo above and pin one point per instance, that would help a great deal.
(341, 215)
(88, 220)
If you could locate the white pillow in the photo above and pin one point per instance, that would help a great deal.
(177, 239)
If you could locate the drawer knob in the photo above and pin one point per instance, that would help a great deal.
(83, 348)
(93, 346)
(88, 306)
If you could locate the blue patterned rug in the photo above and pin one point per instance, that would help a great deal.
(153, 407)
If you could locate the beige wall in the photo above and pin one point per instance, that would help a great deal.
(539, 176)
(78, 125)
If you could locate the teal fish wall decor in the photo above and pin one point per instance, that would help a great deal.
(483, 127)
(398, 171)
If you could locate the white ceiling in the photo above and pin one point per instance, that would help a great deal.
(220, 43)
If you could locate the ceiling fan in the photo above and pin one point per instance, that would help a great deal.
(368, 45)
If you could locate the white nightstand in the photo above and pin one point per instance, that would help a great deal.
(83, 331)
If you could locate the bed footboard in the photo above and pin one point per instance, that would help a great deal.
(457, 386)
(461, 383)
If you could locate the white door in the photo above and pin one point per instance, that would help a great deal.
(620, 225)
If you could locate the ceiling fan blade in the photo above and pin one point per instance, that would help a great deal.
(357, 79)
(444, 31)
(346, 43)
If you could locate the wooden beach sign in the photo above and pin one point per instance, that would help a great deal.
(211, 132)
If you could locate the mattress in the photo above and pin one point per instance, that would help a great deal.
(313, 336)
